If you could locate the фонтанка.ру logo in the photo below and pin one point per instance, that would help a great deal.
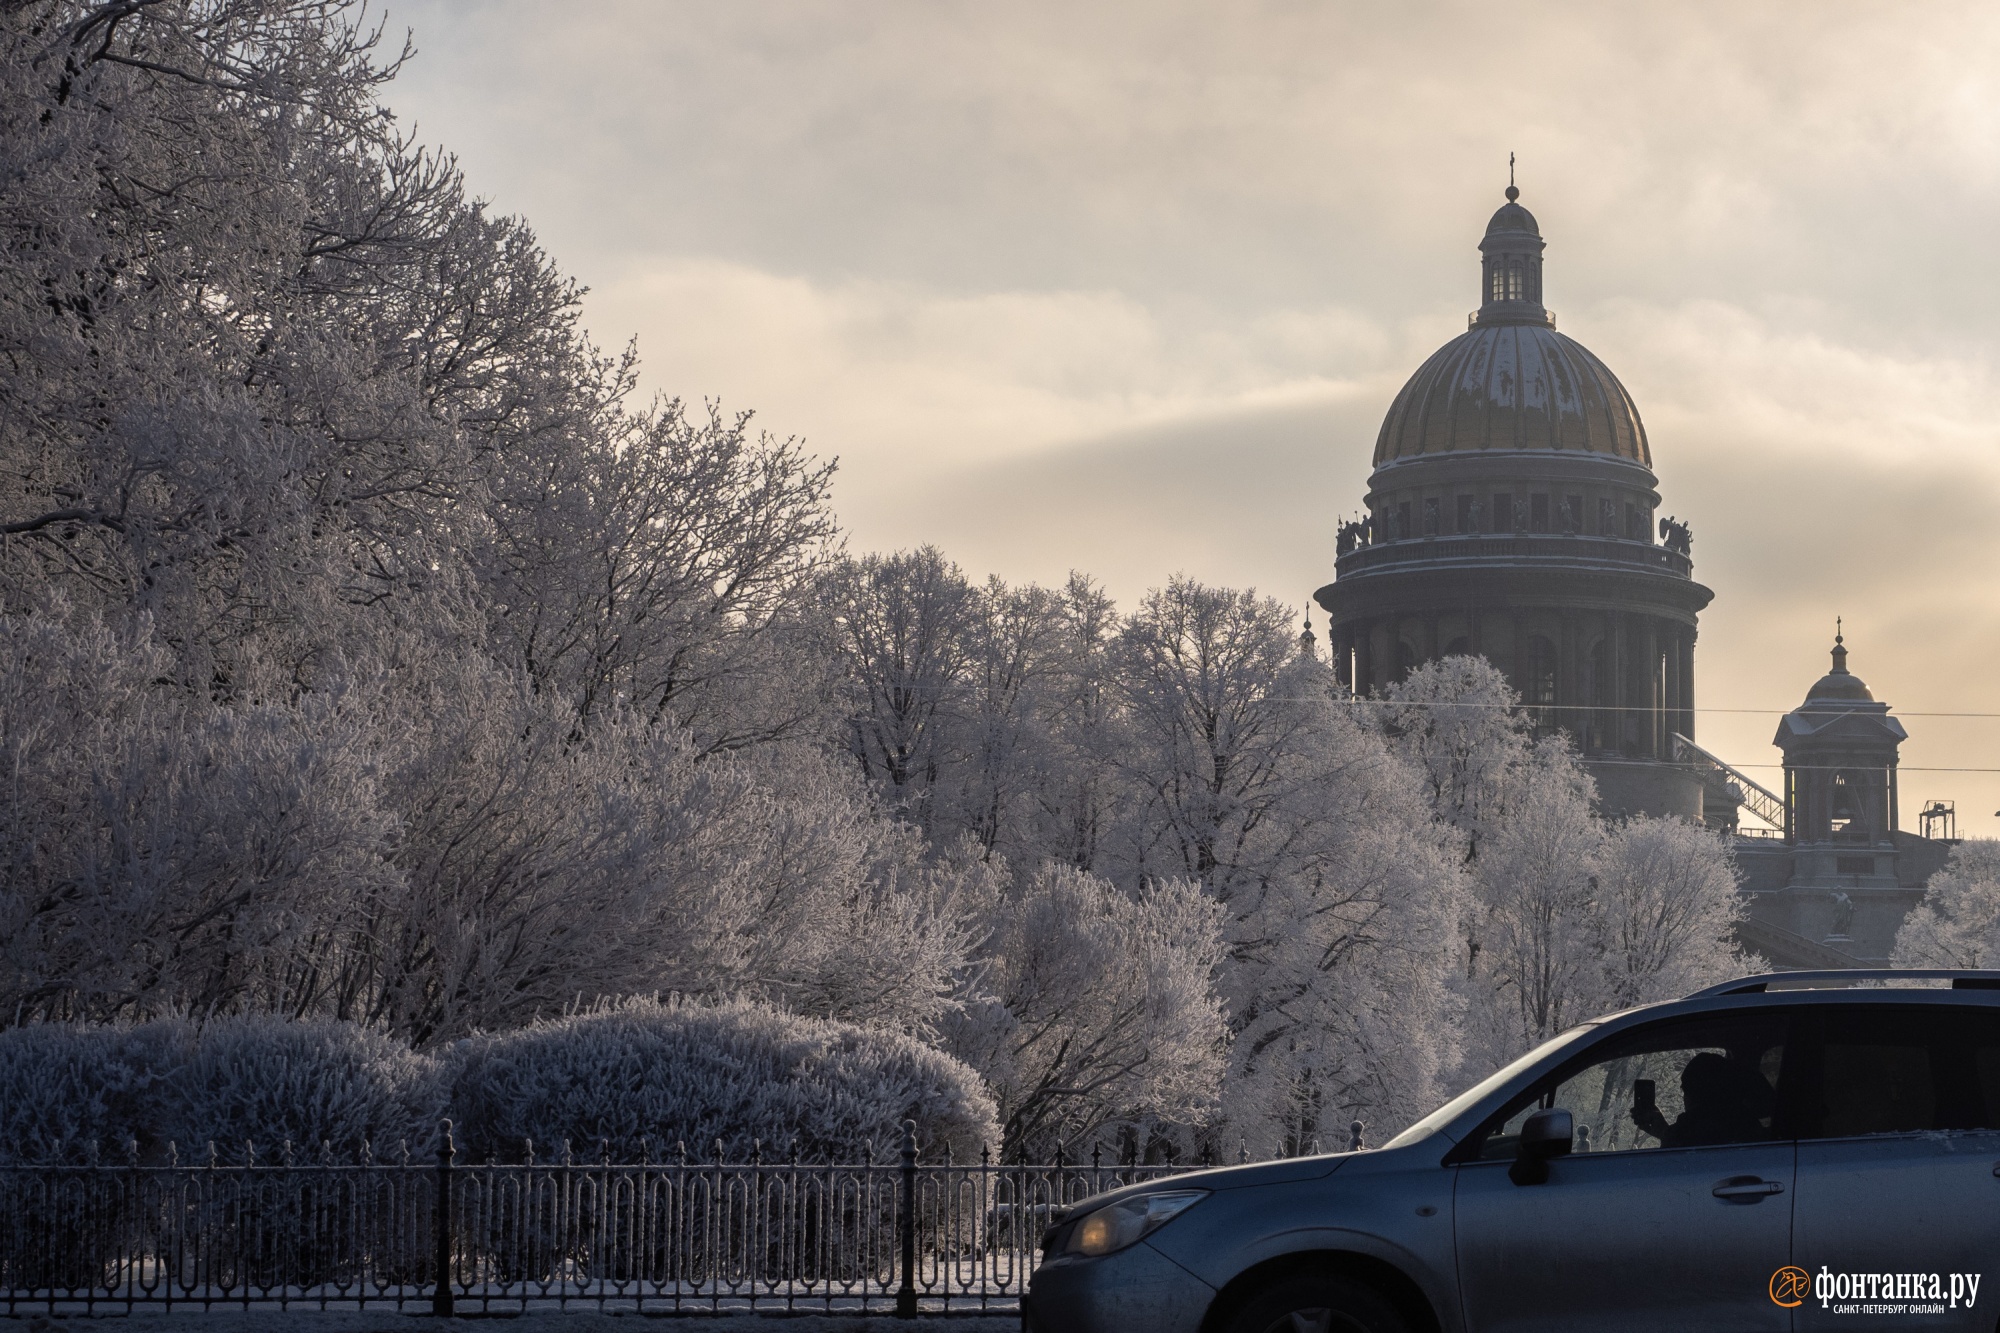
(1875, 1293)
(1790, 1286)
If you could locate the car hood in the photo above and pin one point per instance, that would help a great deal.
(1282, 1172)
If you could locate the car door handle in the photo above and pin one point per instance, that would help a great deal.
(1746, 1190)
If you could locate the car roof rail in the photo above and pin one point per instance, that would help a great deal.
(1836, 977)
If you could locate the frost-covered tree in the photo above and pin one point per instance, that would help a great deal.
(1566, 917)
(652, 568)
(1958, 922)
(1667, 890)
(160, 851)
(1340, 897)
(1097, 1005)
(1458, 722)
(903, 624)
(1534, 945)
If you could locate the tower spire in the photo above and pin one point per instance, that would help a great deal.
(1839, 649)
(1512, 192)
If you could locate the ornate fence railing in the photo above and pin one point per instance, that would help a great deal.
(899, 1235)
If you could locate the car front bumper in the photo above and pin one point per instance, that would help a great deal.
(1137, 1290)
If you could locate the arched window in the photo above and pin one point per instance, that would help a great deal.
(1847, 808)
(1538, 686)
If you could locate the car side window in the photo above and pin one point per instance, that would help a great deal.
(1688, 1083)
(1901, 1069)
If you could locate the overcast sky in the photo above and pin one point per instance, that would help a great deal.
(1128, 287)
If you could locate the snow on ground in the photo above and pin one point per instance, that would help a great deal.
(539, 1321)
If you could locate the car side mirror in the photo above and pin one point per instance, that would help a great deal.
(1547, 1133)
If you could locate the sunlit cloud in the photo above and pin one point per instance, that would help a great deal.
(1127, 288)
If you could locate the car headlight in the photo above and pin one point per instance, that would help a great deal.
(1129, 1221)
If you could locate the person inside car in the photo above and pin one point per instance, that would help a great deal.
(1726, 1102)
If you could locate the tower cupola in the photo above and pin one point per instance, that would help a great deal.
(1511, 268)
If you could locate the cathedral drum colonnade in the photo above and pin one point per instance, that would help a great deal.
(1512, 514)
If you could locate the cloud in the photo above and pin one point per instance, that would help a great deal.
(1127, 287)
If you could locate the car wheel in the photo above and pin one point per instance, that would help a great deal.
(1311, 1303)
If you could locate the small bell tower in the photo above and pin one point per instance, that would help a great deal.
(1840, 749)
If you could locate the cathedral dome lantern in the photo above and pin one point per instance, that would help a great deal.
(1511, 267)
(1512, 514)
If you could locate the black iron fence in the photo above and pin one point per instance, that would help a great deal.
(899, 1235)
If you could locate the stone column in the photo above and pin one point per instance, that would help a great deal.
(1649, 676)
(1686, 674)
(1620, 666)
(1569, 683)
(1670, 686)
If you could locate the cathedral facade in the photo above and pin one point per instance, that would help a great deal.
(1512, 513)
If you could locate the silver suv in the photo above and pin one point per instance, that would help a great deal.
(1795, 1151)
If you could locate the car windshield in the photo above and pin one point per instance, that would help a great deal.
(1452, 1109)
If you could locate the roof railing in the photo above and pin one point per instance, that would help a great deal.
(1837, 978)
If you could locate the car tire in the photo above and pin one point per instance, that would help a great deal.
(1318, 1303)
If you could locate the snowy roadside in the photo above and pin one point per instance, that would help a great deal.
(538, 1321)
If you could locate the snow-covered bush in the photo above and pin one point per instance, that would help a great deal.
(260, 1081)
(647, 1075)
(69, 1092)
